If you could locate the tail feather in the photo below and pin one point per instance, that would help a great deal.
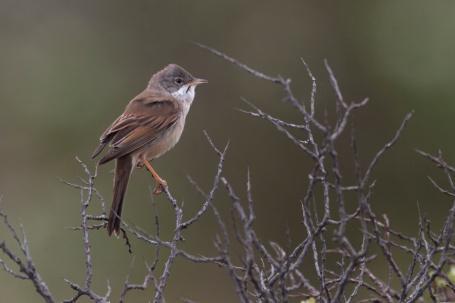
(123, 170)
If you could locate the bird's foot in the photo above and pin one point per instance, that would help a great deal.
(161, 186)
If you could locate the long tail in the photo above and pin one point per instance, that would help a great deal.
(123, 169)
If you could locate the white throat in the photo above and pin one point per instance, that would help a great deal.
(185, 94)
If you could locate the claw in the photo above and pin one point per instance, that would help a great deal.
(161, 184)
(160, 187)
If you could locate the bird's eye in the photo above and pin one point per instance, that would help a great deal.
(178, 80)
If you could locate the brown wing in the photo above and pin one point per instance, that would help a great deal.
(145, 119)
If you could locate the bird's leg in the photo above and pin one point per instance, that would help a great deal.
(160, 183)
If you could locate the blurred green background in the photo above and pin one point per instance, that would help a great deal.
(69, 67)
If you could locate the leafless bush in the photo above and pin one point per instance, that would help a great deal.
(326, 265)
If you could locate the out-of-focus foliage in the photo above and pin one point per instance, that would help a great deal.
(69, 67)
(441, 287)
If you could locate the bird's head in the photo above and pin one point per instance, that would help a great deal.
(176, 81)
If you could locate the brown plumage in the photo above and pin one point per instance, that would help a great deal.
(150, 125)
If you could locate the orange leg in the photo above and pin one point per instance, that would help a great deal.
(160, 183)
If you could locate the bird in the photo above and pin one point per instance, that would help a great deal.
(151, 124)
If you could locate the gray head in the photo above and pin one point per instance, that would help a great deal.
(174, 78)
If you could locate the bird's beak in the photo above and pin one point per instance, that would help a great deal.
(198, 81)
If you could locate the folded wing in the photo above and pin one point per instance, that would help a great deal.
(145, 119)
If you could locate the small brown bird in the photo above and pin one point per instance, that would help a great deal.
(150, 125)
